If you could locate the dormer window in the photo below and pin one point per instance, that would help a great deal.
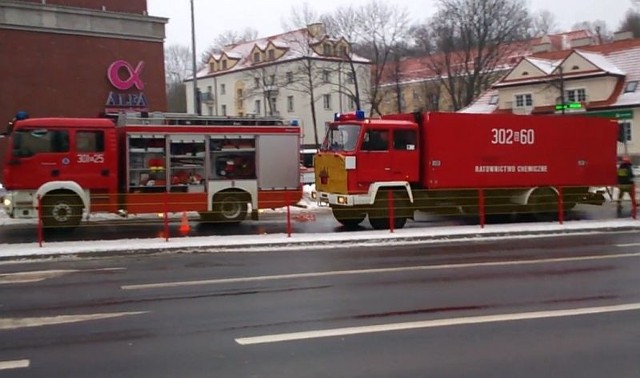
(631, 86)
(271, 54)
(256, 57)
(574, 68)
(212, 67)
(224, 64)
(493, 100)
(328, 49)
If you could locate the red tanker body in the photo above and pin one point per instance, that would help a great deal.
(445, 162)
(216, 166)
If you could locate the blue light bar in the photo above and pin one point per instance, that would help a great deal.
(360, 114)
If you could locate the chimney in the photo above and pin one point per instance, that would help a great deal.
(541, 47)
(622, 35)
(316, 29)
(579, 42)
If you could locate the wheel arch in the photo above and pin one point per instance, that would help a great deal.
(378, 186)
(71, 187)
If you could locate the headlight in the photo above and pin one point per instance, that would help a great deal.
(6, 202)
(342, 200)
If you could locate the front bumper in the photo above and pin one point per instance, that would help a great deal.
(348, 200)
(19, 204)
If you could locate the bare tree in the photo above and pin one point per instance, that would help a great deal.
(473, 37)
(307, 72)
(543, 23)
(597, 28)
(345, 22)
(228, 37)
(383, 28)
(631, 22)
(265, 85)
(177, 62)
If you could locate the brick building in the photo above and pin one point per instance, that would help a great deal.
(79, 58)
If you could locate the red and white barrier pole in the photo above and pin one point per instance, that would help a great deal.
(391, 212)
(481, 209)
(560, 206)
(634, 203)
(40, 223)
(166, 216)
(288, 215)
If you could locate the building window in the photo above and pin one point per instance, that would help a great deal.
(272, 79)
(631, 86)
(274, 102)
(224, 64)
(223, 89)
(290, 103)
(352, 102)
(256, 82)
(343, 51)
(271, 54)
(289, 77)
(256, 57)
(257, 107)
(523, 100)
(350, 78)
(626, 127)
(326, 75)
(576, 95)
(493, 100)
(326, 100)
(327, 49)
(224, 110)
(210, 110)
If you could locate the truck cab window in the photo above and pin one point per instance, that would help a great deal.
(376, 140)
(90, 141)
(31, 142)
(404, 140)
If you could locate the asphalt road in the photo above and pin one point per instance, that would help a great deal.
(544, 307)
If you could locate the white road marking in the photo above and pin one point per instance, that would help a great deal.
(15, 323)
(41, 275)
(434, 323)
(628, 245)
(17, 364)
(373, 271)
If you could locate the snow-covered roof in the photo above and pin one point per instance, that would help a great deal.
(601, 62)
(545, 65)
(618, 59)
(294, 44)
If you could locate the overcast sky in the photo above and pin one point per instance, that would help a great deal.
(213, 17)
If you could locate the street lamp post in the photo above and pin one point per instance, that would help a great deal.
(193, 61)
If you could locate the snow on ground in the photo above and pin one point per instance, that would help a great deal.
(255, 243)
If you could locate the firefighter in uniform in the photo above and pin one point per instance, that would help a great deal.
(625, 181)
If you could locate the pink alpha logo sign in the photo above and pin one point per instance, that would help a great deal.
(113, 73)
(123, 76)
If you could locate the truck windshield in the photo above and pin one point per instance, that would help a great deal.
(341, 138)
(31, 142)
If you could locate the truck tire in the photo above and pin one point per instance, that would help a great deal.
(348, 217)
(230, 207)
(379, 214)
(61, 211)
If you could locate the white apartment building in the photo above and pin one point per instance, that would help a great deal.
(276, 75)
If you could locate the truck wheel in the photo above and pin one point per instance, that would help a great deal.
(230, 207)
(379, 214)
(61, 211)
(348, 217)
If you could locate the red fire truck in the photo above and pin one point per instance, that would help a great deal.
(149, 163)
(454, 162)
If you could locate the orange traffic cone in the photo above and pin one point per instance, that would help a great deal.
(185, 228)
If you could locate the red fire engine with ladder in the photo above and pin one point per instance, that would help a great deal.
(453, 163)
(149, 163)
